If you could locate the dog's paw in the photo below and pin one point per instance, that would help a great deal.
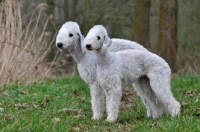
(175, 109)
(96, 117)
(111, 119)
(148, 113)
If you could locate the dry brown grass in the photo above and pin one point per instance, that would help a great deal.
(23, 50)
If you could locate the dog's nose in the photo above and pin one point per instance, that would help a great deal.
(59, 45)
(88, 46)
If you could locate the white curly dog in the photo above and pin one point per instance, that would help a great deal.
(70, 37)
(114, 70)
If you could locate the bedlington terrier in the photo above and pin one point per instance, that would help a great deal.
(114, 70)
(70, 37)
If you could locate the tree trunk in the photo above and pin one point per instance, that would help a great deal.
(167, 43)
(141, 22)
(66, 10)
(84, 25)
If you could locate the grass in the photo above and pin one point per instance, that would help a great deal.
(63, 104)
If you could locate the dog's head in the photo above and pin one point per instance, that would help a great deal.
(69, 36)
(96, 38)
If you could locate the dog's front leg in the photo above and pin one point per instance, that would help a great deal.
(97, 100)
(113, 97)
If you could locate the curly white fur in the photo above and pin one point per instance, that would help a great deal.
(70, 37)
(140, 67)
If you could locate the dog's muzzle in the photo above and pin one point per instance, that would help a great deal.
(59, 45)
(88, 46)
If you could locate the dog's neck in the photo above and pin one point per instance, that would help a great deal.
(104, 58)
(77, 52)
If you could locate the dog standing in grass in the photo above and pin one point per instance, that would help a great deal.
(114, 70)
(69, 37)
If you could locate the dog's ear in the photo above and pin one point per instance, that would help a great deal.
(107, 43)
(81, 41)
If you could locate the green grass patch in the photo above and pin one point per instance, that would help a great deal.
(63, 104)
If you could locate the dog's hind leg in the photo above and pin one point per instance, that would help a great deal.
(153, 106)
(160, 84)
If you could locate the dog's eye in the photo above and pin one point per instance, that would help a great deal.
(70, 35)
(98, 37)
